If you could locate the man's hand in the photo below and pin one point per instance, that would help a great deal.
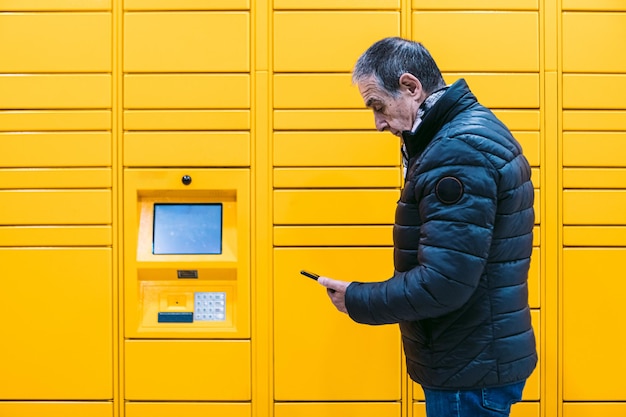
(336, 291)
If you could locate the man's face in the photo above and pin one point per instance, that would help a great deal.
(393, 114)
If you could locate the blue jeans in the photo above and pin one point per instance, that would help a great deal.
(485, 402)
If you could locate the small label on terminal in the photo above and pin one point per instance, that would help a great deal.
(187, 273)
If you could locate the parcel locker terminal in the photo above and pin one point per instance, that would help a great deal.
(187, 254)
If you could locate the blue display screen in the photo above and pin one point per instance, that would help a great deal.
(187, 229)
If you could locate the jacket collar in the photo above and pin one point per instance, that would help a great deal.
(457, 98)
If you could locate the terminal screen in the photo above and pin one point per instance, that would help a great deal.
(187, 229)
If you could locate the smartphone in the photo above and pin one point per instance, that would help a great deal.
(309, 274)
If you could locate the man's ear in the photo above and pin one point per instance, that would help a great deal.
(411, 84)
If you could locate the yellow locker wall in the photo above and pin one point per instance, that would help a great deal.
(186, 102)
(593, 234)
(482, 48)
(314, 188)
(57, 209)
(89, 89)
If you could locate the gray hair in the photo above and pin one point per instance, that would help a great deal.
(389, 58)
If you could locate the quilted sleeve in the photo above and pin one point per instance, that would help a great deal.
(456, 192)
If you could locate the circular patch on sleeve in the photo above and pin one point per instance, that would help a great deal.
(449, 190)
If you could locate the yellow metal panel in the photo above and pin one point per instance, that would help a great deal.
(419, 409)
(334, 206)
(337, 206)
(594, 236)
(52, 149)
(361, 236)
(594, 149)
(187, 370)
(513, 40)
(55, 178)
(333, 236)
(532, 390)
(522, 90)
(62, 42)
(57, 324)
(551, 388)
(604, 44)
(323, 119)
(56, 236)
(187, 120)
(594, 178)
(534, 279)
(520, 119)
(475, 5)
(308, 326)
(537, 206)
(185, 42)
(593, 305)
(336, 149)
(594, 120)
(261, 217)
(316, 91)
(163, 409)
(536, 235)
(334, 119)
(67, 207)
(55, 91)
(65, 409)
(300, 45)
(604, 409)
(594, 207)
(190, 91)
(590, 91)
(550, 38)
(337, 177)
(531, 144)
(336, 4)
(45, 5)
(317, 409)
(55, 120)
(535, 177)
(526, 409)
(187, 149)
(522, 409)
(617, 5)
(186, 4)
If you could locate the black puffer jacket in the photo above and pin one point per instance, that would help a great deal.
(462, 240)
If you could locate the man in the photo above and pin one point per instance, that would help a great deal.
(462, 238)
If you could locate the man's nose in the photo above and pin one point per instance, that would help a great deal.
(380, 122)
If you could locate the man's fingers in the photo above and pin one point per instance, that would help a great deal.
(326, 282)
(322, 281)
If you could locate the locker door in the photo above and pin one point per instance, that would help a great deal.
(593, 305)
(187, 370)
(187, 409)
(56, 320)
(186, 42)
(333, 409)
(53, 408)
(300, 45)
(513, 39)
(521, 409)
(310, 335)
(62, 42)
